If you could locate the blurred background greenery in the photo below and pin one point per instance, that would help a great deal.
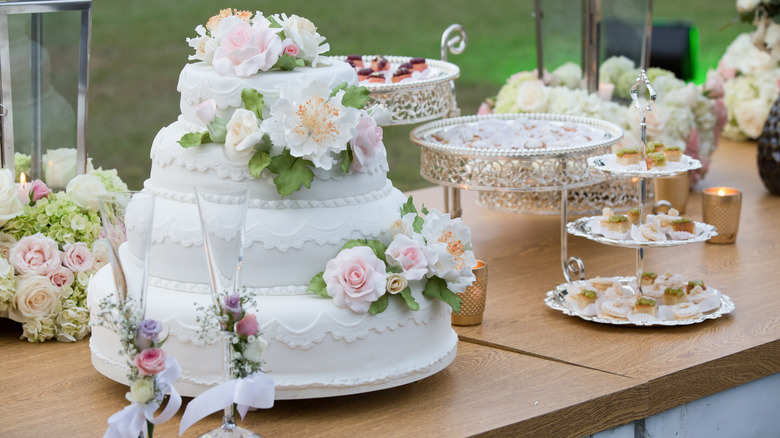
(139, 48)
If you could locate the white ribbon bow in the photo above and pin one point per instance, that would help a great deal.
(256, 391)
(129, 422)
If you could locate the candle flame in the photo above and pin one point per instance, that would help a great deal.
(23, 179)
(721, 192)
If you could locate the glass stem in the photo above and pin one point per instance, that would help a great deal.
(228, 418)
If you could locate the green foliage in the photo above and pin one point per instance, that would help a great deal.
(292, 173)
(253, 101)
(379, 305)
(317, 286)
(194, 139)
(406, 294)
(376, 246)
(437, 288)
(57, 217)
(356, 97)
(217, 130)
(259, 161)
(287, 62)
(346, 159)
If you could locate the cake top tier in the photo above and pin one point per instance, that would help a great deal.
(240, 43)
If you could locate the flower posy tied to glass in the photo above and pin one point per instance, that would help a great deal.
(223, 210)
(151, 373)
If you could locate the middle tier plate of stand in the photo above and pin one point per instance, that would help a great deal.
(583, 227)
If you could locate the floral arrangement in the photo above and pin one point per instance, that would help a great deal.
(434, 250)
(684, 115)
(749, 68)
(246, 340)
(49, 249)
(151, 373)
(309, 128)
(239, 43)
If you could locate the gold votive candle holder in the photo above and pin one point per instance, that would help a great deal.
(472, 301)
(674, 189)
(721, 207)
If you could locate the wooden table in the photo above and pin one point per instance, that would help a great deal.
(525, 371)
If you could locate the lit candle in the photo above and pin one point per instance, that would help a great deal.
(24, 189)
(472, 304)
(721, 207)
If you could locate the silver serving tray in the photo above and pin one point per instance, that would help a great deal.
(608, 163)
(556, 301)
(581, 228)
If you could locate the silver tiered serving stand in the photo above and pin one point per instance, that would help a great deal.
(556, 298)
(510, 171)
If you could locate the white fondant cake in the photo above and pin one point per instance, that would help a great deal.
(316, 348)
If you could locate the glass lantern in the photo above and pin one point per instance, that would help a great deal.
(44, 58)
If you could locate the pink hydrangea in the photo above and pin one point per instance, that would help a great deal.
(36, 254)
(355, 278)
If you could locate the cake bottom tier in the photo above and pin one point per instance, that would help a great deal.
(316, 349)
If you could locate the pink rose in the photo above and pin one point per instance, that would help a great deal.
(206, 111)
(39, 190)
(355, 278)
(721, 115)
(726, 72)
(692, 145)
(407, 254)
(246, 49)
(36, 254)
(150, 361)
(61, 276)
(367, 144)
(713, 86)
(76, 257)
(247, 326)
(291, 49)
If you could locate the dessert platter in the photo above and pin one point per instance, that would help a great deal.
(415, 90)
(487, 153)
(316, 347)
(646, 299)
(663, 229)
(614, 300)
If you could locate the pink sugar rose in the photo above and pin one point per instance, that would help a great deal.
(206, 111)
(246, 48)
(36, 254)
(291, 50)
(247, 326)
(76, 257)
(355, 278)
(367, 144)
(150, 361)
(39, 190)
(61, 276)
(409, 255)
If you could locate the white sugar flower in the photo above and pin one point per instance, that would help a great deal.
(303, 34)
(448, 250)
(310, 123)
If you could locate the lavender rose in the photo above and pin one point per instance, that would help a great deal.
(355, 278)
(233, 305)
(148, 332)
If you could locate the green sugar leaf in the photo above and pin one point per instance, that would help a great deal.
(437, 288)
(379, 305)
(194, 139)
(292, 173)
(253, 101)
(260, 160)
(406, 294)
(318, 286)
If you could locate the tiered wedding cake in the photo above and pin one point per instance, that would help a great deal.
(262, 94)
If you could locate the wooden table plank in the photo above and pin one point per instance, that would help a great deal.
(52, 390)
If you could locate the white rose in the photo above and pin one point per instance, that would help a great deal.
(101, 254)
(403, 225)
(751, 115)
(747, 5)
(243, 133)
(567, 75)
(60, 167)
(84, 191)
(396, 283)
(254, 350)
(142, 390)
(6, 242)
(532, 97)
(6, 270)
(756, 61)
(10, 205)
(35, 296)
(772, 40)
(304, 34)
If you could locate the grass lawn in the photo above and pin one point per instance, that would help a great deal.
(139, 48)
